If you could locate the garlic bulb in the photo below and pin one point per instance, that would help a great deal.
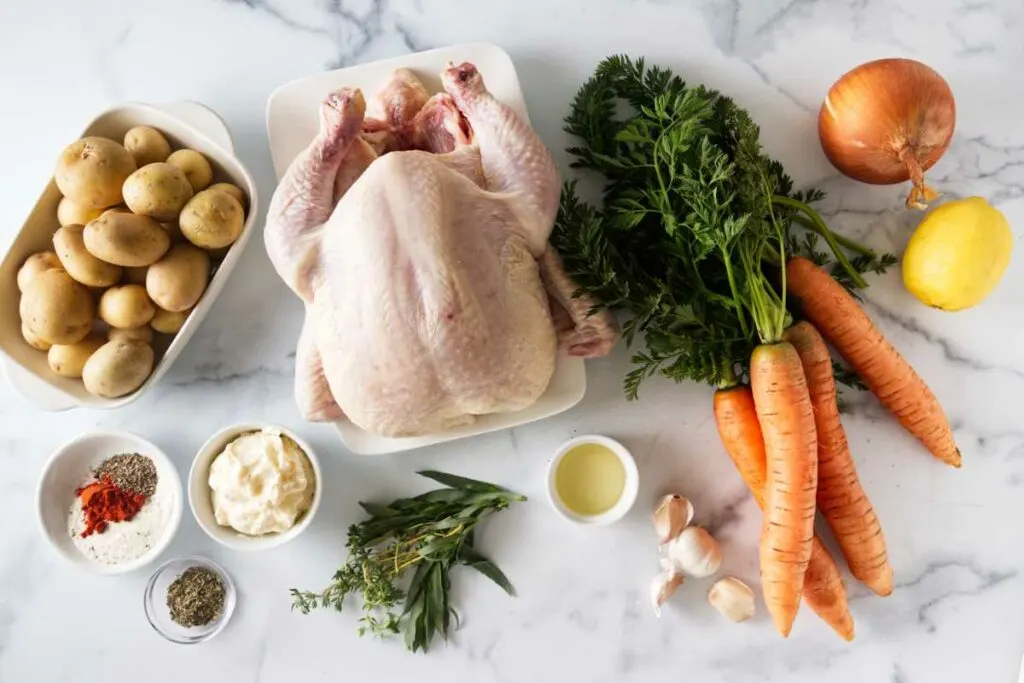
(663, 586)
(695, 552)
(672, 515)
(733, 599)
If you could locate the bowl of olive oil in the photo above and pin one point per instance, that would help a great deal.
(592, 480)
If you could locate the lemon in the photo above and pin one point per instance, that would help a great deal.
(958, 254)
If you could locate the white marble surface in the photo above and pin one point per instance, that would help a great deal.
(582, 614)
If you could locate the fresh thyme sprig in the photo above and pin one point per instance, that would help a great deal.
(427, 535)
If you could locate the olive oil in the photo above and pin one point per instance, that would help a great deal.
(590, 479)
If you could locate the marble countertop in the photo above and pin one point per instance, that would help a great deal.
(582, 613)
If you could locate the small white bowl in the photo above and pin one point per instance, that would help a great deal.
(70, 466)
(629, 490)
(199, 498)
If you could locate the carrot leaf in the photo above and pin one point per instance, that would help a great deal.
(693, 225)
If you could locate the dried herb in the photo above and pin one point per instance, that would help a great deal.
(131, 472)
(427, 535)
(196, 598)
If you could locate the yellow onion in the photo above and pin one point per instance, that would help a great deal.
(886, 122)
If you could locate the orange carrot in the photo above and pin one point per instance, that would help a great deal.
(841, 498)
(740, 431)
(824, 591)
(845, 324)
(784, 411)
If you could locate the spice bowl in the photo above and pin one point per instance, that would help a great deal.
(200, 496)
(158, 612)
(70, 467)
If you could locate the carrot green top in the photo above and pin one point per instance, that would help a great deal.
(694, 223)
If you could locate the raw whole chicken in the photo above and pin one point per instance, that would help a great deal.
(419, 244)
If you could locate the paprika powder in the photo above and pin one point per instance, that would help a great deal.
(104, 502)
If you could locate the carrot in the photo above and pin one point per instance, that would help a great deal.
(783, 408)
(841, 498)
(824, 591)
(843, 322)
(740, 432)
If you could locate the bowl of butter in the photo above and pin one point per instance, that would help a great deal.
(254, 486)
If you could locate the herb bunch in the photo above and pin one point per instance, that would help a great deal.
(694, 226)
(427, 536)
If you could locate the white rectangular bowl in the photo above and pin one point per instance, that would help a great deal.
(185, 124)
(291, 126)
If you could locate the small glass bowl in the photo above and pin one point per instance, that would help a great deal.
(159, 616)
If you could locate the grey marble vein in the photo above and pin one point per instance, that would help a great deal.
(729, 513)
(271, 9)
(367, 25)
(783, 90)
(217, 375)
(781, 15)
(412, 41)
(984, 580)
(724, 15)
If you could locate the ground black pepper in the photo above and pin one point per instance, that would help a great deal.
(131, 472)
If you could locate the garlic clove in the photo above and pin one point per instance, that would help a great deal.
(695, 552)
(733, 599)
(663, 586)
(672, 515)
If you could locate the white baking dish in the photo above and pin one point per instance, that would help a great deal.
(185, 124)
(292, 123)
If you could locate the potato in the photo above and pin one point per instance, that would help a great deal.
(34, 341)
(91, 171)
(143, 334)
(67, 360)
(134, 276)
(147, 145)
(117, 368)
(173, 231)
(195, 167)
(157, 190)
(176, 281)
(169, 322)
(56, 309)
(125, 239)
(233, 190)
(212, 219)
(69, 213)
(79, 263)
(35, 264)
(126, 306)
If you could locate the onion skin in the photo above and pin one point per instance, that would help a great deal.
(887, 122)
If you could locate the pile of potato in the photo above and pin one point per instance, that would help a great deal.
(140, 227)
